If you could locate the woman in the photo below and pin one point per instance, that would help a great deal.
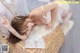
(45, 15)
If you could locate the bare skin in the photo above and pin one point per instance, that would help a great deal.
(37, 15)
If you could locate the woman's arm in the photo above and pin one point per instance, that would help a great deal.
(13, 31)
(5, 23)
(53, 18)
(48, 7)
(53, 15)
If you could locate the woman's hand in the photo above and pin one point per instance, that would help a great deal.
(48, 26)
(30, 26)
(5, 22)
(24, 37)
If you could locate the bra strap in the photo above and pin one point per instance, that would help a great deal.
(42, 10)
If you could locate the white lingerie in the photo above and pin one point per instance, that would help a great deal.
(35, 39)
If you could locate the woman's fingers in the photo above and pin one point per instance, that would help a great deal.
(48, 26)
(4, 22)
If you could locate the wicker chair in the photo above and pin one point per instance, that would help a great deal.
(53, 43)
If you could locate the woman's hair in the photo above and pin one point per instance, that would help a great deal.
(19, 26)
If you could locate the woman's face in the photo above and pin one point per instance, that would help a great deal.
(22, 24)
(29, 22)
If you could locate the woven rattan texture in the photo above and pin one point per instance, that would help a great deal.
(53, 43)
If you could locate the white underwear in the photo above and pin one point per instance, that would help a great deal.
(35, 39)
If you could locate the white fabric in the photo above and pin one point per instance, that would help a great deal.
(31, 43)
(39, 31)
(35, 40)
(67, 27)
(37, 35)
(62, 8)
(2, 9)
(8, 1)
(5, 12)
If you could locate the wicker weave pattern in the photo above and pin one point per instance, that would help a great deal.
(53, 42)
